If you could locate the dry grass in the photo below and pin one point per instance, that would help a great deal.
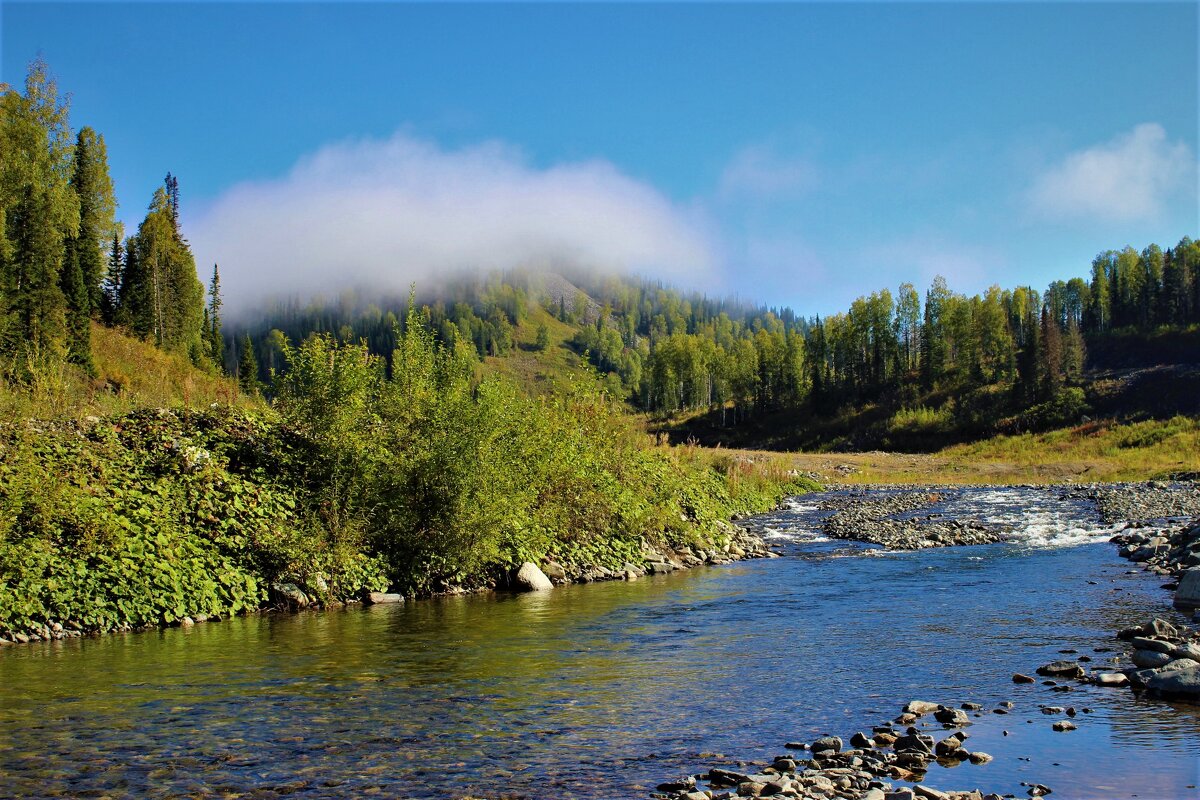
(131, 374)
(1097, 451)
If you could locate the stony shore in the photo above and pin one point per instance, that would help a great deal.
(1161, 658)
(1140, 503)
(861, 768)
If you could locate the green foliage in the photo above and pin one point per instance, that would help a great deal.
(1067, 407)
(149, 517)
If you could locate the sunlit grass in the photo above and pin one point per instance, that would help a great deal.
(131, 374)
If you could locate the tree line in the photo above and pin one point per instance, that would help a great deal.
(677, 353)
(64, 263)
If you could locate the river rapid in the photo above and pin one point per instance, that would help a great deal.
(605, 690)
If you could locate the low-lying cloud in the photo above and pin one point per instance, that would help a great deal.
(1132, 177)
(388, 212)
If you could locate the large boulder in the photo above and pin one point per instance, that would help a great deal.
(532, 579)
(1149, 659)
(1187, 594)
(1177, 684)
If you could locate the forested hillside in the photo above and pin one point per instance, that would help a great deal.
(895, 370)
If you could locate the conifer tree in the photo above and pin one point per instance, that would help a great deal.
(247, 370)
(97, 211)
(212, 322)
(78, 318)
(110, 290)
(1051, 361)
(39, 213)
(165, 299)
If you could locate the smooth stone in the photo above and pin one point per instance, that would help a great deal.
(861, 740)
(1150, 659)
(726, 777)
(1156, 645)
(1019, 678)
(980, 757)
(951, 716)
(382, 598)
(532, 579)
(947, 746)
(555, 571)
(1064, 725)
(833, 743)
(1160, 628)
(1187, 650)
(1111, 679)
(1183, 684)
(684, 784)
(289, 593)
(920, 707)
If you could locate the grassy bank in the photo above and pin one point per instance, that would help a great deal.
(144, 514)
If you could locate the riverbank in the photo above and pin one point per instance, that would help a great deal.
(163, 517)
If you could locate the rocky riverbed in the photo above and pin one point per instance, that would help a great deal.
(886, 519)
(1140, 503)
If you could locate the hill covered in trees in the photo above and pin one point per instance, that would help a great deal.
(903, 370)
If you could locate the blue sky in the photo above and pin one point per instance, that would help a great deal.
(797, 154)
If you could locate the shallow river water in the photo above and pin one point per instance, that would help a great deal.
(604, 690)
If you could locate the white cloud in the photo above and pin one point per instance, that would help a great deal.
(387, 212)
(760, 172)
(1131, 177)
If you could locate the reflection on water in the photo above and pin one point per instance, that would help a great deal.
(604, 690)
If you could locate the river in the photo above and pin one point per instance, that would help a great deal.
(604, 690)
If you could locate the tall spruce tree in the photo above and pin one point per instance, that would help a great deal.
(159, 287)
(40, 213)
(83, 264)
(247, 370)
(212, 328)
(110, 290)
(97, 210)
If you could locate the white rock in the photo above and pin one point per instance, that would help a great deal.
(532, 579)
